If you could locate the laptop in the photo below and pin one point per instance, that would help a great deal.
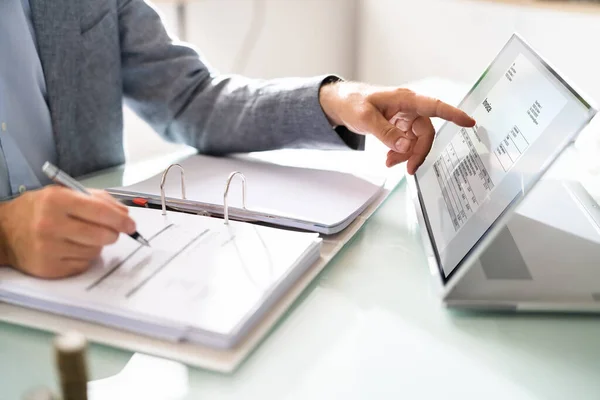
(494, 236)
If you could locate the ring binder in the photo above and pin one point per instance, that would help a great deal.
(334, 197)
(162, 186)
(226, 192)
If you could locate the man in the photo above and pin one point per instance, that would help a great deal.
(67, 65)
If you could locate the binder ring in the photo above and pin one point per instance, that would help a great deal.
(162, 186)
(227, 184)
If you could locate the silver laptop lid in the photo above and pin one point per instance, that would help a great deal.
(474, 178)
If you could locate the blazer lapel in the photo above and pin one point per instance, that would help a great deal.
(58, 34)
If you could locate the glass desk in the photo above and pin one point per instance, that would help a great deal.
(370, 326)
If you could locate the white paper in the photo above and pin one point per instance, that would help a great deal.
(198, 273)
(280, 187)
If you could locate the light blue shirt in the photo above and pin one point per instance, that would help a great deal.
(26, 138)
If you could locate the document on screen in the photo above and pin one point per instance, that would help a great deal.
(464, 173)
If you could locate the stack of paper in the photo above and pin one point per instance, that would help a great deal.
(318, 199)
(201, 281)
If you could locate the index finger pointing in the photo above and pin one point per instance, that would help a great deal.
(431, 107)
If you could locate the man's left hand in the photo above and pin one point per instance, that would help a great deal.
(398, 117)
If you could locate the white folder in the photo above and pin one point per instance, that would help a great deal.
(320, 199)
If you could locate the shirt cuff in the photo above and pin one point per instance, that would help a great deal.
(352, 140)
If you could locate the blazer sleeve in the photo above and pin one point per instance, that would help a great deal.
(171, 86)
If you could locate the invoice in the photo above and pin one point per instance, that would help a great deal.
(511, 116)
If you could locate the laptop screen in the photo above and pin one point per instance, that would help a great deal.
(526, 115)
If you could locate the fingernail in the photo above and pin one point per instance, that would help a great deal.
(402, 145)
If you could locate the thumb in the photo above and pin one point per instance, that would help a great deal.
(389, 134)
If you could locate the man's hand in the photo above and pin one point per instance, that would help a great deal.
(56, 232)
(398, 117)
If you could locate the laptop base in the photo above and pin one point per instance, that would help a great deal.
(547, 258)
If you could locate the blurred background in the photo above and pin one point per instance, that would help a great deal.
(447, 43)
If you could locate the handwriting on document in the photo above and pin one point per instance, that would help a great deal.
(181, 262)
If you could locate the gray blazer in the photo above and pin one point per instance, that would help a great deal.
(98, 53)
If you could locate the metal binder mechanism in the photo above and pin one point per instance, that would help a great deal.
(163, 200)
(226, 192)
(162, 186)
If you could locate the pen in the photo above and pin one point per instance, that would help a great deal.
(60, 177)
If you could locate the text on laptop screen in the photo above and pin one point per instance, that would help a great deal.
(525, 114)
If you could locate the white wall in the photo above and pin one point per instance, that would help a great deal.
(406, 40)
(295, 38)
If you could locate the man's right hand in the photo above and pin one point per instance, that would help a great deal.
(56, 232)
